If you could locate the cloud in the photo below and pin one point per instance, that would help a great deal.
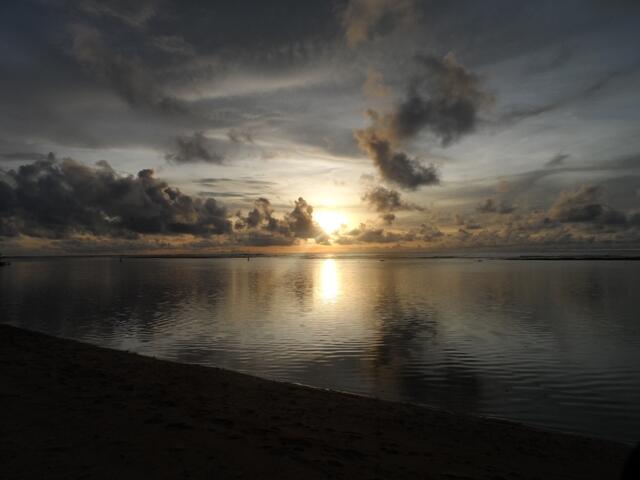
(387, 200)
(584, 205)
(257, 238)
(374, 86)
(262, 211)
(395, 166)
(558, 160)
(127, 75)
(388, 218)
(26, 156)
(466, 223)
(56, 199)
(298, 224)
(364, 19)
(430, 232)
(240, 135)
(135, 14)
(194, 148)
(545, 62)
(443, 100)
(300, 220)
(367, 234)
(576, 218)
(261, 217)
(491, 206)
(578, 95)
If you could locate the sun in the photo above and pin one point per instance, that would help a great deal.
(329, 221)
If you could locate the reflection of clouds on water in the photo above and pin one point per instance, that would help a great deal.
(299, 282)
(112, 303)
(262, 284)
(407, 337)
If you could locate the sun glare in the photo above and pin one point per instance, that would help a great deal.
(329, 221)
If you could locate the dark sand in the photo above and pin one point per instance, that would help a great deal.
(70, 410)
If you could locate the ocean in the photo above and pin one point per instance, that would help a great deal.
(550, 343)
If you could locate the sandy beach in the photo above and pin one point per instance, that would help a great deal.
(71, 410)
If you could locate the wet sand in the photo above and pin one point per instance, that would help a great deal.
(71, 410)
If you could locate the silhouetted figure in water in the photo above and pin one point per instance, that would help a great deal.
(631, 469)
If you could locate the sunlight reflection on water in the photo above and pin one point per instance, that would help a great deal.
(330, 284)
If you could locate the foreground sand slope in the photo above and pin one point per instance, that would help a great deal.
(69, 410)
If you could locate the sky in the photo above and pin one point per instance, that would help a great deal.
(326, 126)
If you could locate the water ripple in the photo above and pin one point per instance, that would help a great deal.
(521, 340)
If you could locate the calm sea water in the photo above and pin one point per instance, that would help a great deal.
(549, 343)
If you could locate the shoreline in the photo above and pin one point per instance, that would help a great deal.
(73, 410)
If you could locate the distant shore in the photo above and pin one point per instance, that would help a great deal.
(71, 410)
(346, 256)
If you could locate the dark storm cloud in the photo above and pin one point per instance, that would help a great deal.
(53, 198)
(191, 149)
(443, 101)
(387, 200)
